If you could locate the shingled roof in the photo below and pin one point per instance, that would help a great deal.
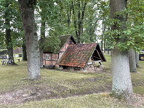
(78, 55)
(62, 41)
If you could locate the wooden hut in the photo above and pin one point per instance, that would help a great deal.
(72, 55)
(82, 57)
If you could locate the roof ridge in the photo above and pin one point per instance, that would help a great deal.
(86, 43)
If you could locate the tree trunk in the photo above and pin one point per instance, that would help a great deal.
(137, 59)
(79, 21)
(41, 58)
(103, 37)
(122, 85)
(8, 38)
(24, 57)
(42, 40)
(27, 12)
(75, 22)
(78, 18)
(132, 60)
(9, 47)
(69, 16)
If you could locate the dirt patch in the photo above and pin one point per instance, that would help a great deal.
(25, 95)
(33, 94)
(41, 90)
(137, 101)
(40, 93)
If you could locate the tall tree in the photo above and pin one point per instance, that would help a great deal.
(10, 24)
(135, 29)
(104, 13)
(42, 10)
(42, 40)
(70, 17)
(27, 13)
(78, 9)
(121, 85)
(90, 23)
(8, 31)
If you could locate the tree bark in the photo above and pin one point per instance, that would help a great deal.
(103, 37)
(69, 15)
(137, 59)
(9, 47)
(27, 13)
(75, 21)
(132, 60)
(42, 40)
(121, 85)
(24, 57)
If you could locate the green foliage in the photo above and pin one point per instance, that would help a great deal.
(60, 18)
(90, 23)
(132, 36)
(52, 44)
(11, 12)
(103, 16)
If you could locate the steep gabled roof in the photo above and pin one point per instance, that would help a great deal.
(65, 39)
(77, 55)
(62, 41)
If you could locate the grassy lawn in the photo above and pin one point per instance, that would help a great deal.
(63, 89)
(86, 101)
(138, 79)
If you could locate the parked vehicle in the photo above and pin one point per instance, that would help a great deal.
(141, 55)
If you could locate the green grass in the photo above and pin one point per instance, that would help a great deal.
(59, 82)
(11, 77)
(138, 79)
(65, 89)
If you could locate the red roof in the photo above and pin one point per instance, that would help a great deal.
(77, 55)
